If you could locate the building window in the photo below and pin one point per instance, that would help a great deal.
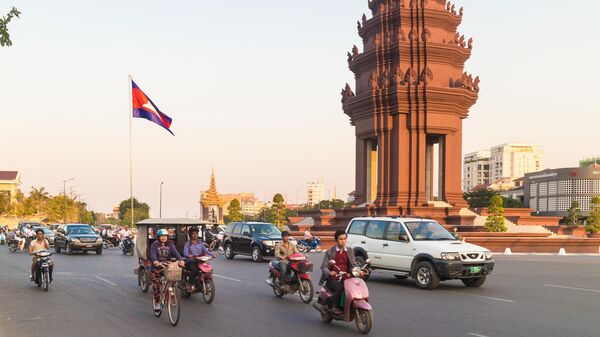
(543, 189)
(533, 190)
(543, 205)
(564, 203)
(552, 187)
(565, 187)
(552, 204)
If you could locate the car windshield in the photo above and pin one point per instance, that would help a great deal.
(428, 230)
(81, 230)
(265, 229)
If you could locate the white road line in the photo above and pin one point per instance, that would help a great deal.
(106, 281)
(572, 288)
(476, 335)
(227, 278)
(479, 296)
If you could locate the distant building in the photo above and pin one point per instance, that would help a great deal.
(514, 160)
(315, 193)
(9, 183)
(551, 192)
(476, 169)
(245, 198)
(211, 203)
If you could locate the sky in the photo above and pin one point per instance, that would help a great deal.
(253, 89)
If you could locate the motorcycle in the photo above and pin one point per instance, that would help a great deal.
(203, 282)
(354, 299)
(127, 246)
(306, 247)
(2, 239)
(43, 272)
(297, 280)
(110, 242)
(13, 242)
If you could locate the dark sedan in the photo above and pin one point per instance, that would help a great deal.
(47, 233)
(77, 238)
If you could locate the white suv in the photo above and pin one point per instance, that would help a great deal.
(418, 248)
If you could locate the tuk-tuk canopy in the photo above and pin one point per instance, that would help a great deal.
(177, 229)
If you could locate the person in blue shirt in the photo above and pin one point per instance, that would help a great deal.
(193, 248)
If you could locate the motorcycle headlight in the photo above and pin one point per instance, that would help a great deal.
(356, 272)
(269, 243)
(489, 255)
(450, 256)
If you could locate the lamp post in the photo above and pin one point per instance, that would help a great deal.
(160, 201)
(65, 185)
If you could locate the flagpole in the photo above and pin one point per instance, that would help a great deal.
(131, 149)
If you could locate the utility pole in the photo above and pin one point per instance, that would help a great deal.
(160, 201)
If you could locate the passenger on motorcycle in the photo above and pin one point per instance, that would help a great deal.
(344, 262)
(26, 234)
(194, 247)
(162, 250)
(282, 252)
(39, 244)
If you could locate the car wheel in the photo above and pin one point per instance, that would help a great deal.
(425, 276)
(229, 252)
(361, 261)
(256, 254)
(99, 251)
(474, 282)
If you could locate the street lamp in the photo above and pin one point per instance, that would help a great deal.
(65, 185)
(160, 201)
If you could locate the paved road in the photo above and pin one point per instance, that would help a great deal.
(545, 296)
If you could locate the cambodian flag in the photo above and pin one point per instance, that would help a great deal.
(143, 107)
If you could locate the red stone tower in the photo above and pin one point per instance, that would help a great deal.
(411, 97)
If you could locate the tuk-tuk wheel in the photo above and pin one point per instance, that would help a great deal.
(143, 279)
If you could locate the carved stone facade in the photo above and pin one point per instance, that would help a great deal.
(411, 96)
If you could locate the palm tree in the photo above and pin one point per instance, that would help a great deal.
(39, 196)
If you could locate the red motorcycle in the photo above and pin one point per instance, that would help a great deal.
(355, 299)
(297, 280)
(202, 283)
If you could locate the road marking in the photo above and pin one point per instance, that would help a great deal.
(227, 278)
(476, 335)
(107, 281)
(572, 288)
(479, 296)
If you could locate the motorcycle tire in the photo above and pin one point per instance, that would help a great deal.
(12, 249)
(220, 250)
(364, 320)
(309, 291)
(69, 249)
(45, 281)
(302, 247)
(326, 317)
(208, 293)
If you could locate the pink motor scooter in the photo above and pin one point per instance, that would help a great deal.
(355, 300)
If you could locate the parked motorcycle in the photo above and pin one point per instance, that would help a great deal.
(201, 283)
(43, 272)
(306, 247)
(127, 246)
(354, 300)
(297, 280)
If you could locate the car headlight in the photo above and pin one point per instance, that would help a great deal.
(268, 243)
(450, 256)
(489, 255)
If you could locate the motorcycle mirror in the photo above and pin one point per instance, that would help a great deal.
(331, 263)
(368, 261)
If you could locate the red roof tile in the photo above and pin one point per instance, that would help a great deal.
(8, 175)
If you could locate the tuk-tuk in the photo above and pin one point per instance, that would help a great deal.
(146, 235)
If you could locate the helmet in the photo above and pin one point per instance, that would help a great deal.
(162, 232)
(193, 229)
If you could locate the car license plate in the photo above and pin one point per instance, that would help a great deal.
(89, 246)
(475, 270)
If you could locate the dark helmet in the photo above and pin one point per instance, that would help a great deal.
(193, 229)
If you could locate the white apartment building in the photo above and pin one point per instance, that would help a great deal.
(476, 169)
(514, 160)
(315, 193)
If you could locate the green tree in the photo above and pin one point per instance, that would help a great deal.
(495, 219)
(511, 203)
(278, 212)
(39, 196)
(235, 211)
(338, 204)
(138, 216)
(593, 221)
(62, 208)
(23, 206)
(141, 207)
(574, 214)
(4, 21)
(4, 203)
(480, 198)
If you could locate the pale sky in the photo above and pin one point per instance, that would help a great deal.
(253, 90)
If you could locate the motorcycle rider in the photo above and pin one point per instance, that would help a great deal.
(308, 237)
(39, 244)
(282, 252)
(161, 250)
(27, 234)
(194, 247)
(344, 261)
